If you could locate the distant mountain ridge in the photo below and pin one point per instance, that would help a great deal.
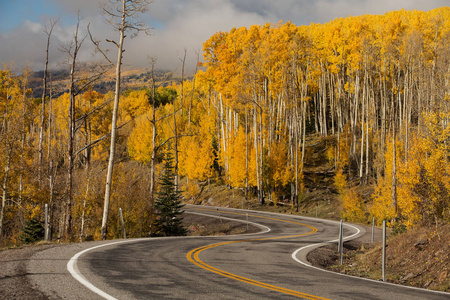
(132, 78)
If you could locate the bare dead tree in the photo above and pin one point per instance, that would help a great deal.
(72, 50)
(193, 87)
(175, 130)
(123, 16)
(154, 134)
(48, 31)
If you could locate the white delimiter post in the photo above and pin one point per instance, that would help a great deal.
(383, 258)
(46, 223)
(123, 224)
(373, 228)
(220, 218)
(341, 241)
(247, 221)
(339, 238)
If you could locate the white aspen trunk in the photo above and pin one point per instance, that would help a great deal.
(258, 181)
(23, 136)
(84, 208)
(154, 133)
(296, 147)
(50, 120)
(112, 150)
(223, 130)
(261, 153)
(332, 100)
(394, 173)
(304, 135)
(394, 158)
(50, 204)
(5, 189)
(355, 117)
(246, 152)
(324, 126)
(367, 142)
(175, 147)
(363, 108)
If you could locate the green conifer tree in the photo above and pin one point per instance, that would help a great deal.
(33, 232)
(168, 206)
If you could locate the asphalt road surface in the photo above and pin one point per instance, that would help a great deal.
(268, 265)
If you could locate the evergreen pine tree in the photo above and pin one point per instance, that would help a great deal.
(168, 205)
(32, 232)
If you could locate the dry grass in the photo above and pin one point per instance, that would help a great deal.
(420, 257)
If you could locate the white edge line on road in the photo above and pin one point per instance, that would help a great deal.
(73, 269)
(265, 228)
(307, 264)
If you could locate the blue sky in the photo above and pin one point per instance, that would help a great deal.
(177, 24)
(13, 13)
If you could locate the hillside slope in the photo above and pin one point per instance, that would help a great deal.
(419, 257)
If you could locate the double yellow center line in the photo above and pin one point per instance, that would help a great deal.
(193, 256)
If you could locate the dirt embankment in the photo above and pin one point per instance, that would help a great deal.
(420, 258)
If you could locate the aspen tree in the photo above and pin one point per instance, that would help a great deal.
(123, 17)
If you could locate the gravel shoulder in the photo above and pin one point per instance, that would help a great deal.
(14, 278)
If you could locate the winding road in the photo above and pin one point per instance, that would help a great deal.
(270, 264)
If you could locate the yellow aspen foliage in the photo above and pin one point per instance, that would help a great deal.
(192, 190)
(409, 179)
(340, 181)
(353, 206)
(32, 211)
(343, 157)
(134, 104)
(422, 179)
(252, 177)
(289, 176)
(140, 140)
(196, 158)
(352, 203)
(277, 164)
(382, 206)
(237, 171)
